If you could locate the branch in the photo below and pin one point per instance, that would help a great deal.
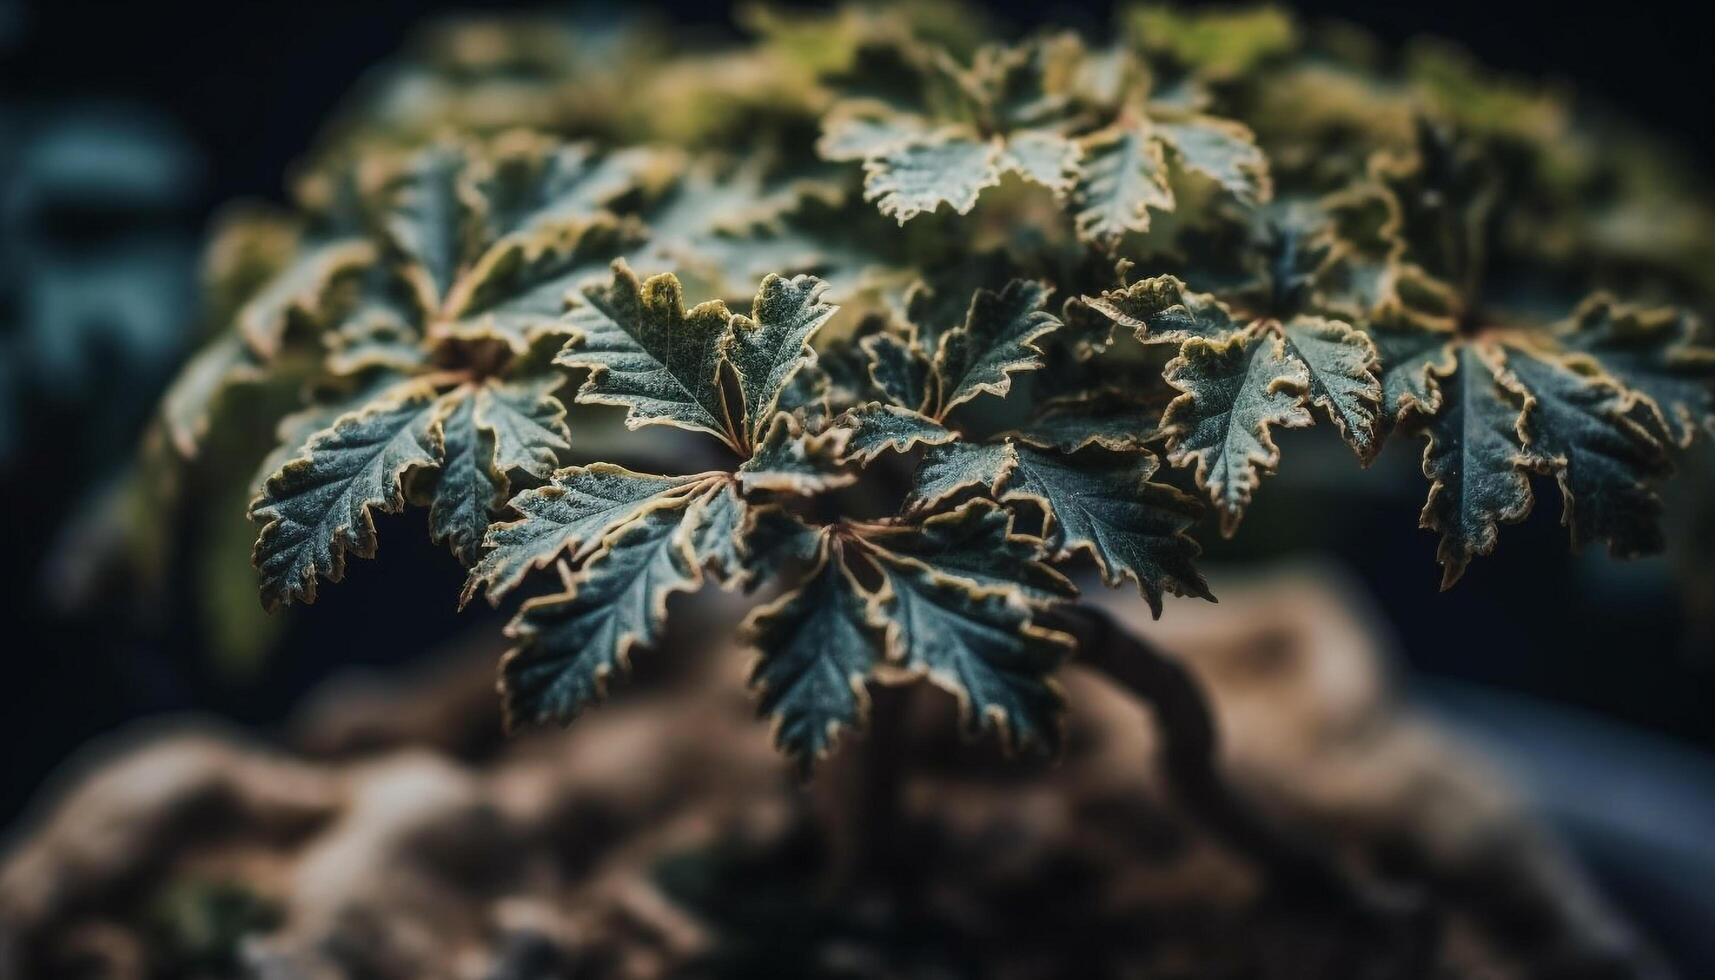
(1297, 871)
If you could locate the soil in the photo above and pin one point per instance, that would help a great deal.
(392, 832)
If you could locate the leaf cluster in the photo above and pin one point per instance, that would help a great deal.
(970, 313)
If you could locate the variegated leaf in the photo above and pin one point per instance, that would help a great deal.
(915, 178)
(317, 508)
(570, 645)
(875, 428)
(1575, 427)
(1222, 150)
(468, 488)
(789, 460)
(647, 353)
(998, 338)
(1106, 506)
(1474, 460)
(976, 543)
(899, 370)
(1341, 363)
(568, 517)
(1658, 356)
(1124, 178)
(948, 470)
(979, 646)
(528, 424)
(1162, 310)
(766, 348)
(1234, 392)
(816, 646)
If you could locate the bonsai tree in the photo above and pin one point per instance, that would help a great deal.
(919, 333)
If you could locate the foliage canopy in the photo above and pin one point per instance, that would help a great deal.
(940, 315)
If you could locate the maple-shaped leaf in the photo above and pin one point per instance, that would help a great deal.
(650, 355)
(950, 469)
(770, 345)
(1575, 427)
(467, 488)
(529, 181)
(521, 288)
(816, 646)
(976, 543)
(194, 395)
(1658, 355)
(794, 461)
(1234, 392)
(719, 520)
(1413, 353)
(1106, 506)
(527, 421)
(302, 291)
(1473, 458)
(950, 167)
(981, 647)
(1124, 177)
(941, 133)
(1222, 150)
(570, 645)
(569, 517)
(1162, 310)
(434, 219)
(1108, 418)
(1341, 363)
(874, 428)
(997, 339)
(899, 370)
(317, 508)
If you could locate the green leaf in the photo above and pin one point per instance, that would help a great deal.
(434, 220)
(717, 521)
(531, 182)
(648, 354)
(195, 393)
(524, 286)
(1473, 459)
(1341, 363)
(980, 647)
(875, 428)
(1106, 506)
(773, 343)
(301, 292)
(950, 469)
(1124, 176)
(997, 339)
(1222, 150)
(1041, 157)
(468, 488)
(976, 544)
(790, 460)
(570, 645)
(569, 517)
(1657, 356)
(1575, 427)
(1413, 353)
(816, 646)
(1106, 418)
(899, 370)
(1162, 310)
(527, 422)
(918, 177)
(1234, 392)
(317, 507)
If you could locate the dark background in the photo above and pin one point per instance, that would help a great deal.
(250, 83)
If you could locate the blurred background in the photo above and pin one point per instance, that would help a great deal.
(125, 127)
